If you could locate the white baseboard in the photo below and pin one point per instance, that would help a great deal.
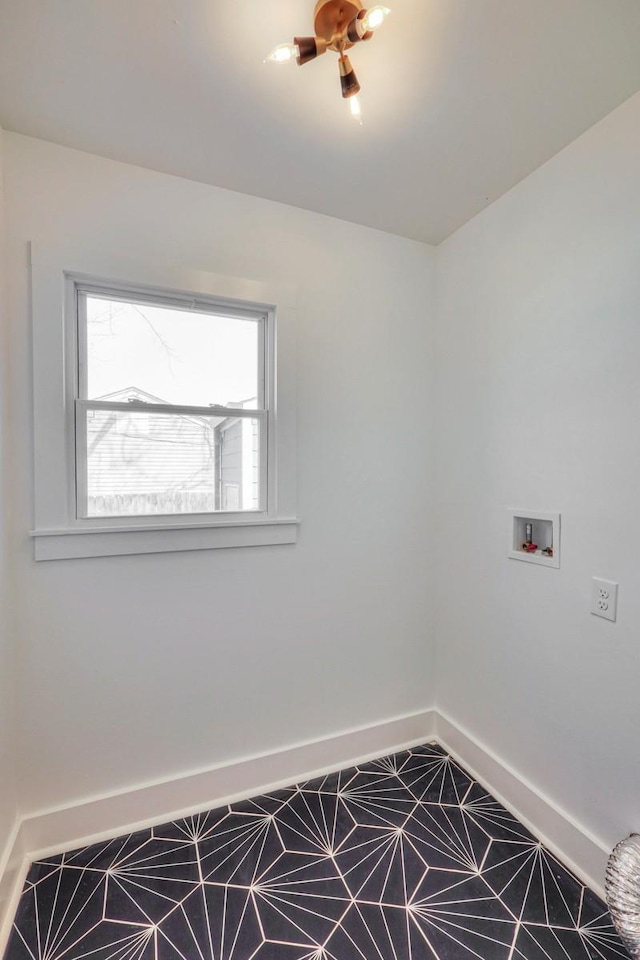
(91, 820)
(14, 864)
(583, 853)
(65, 828)
(98, 818)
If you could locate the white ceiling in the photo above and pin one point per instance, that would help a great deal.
(462, 98)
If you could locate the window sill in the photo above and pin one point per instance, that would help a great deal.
(95, 541)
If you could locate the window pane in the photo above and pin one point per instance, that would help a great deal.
(156, 463)
(164, 355)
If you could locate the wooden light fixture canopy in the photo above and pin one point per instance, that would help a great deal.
(338, 25)
(331, 20)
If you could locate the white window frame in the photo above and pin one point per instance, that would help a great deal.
(77, 290)
(59, 532)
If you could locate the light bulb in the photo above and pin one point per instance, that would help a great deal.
(284, 53)
(375, 17)
(356, 109)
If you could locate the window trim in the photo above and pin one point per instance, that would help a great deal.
(59, 533)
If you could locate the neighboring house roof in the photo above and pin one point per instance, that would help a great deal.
(131, 393)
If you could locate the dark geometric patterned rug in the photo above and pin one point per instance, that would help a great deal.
(403, 858)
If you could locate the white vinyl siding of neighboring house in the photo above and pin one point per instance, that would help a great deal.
(140, 463)
(239, 464)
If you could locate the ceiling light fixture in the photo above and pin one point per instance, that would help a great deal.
(339, 24)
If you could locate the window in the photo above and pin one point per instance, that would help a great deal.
(167, 437)
(172, 406)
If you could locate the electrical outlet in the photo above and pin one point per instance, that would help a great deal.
(604, 598)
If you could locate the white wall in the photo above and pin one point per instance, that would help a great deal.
(8, 802)
(538, 405)
(139, 668)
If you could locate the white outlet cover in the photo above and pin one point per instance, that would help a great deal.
(604, 599)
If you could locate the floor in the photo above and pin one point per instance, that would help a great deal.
(403, 858)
